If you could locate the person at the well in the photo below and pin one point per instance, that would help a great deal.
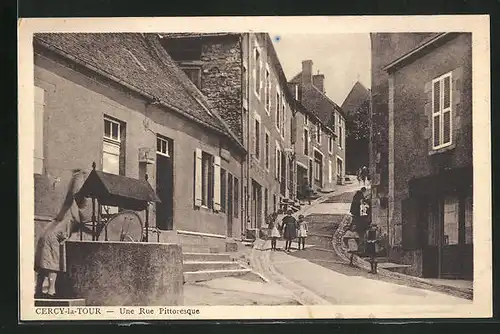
(75, 212)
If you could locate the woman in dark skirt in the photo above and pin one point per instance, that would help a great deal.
(371, 246)
(289, 229)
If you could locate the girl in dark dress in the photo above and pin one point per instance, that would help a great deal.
(289, 229)
(371, 246)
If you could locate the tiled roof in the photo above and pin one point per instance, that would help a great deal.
(133, 59)
(320, 104)
(356, 97)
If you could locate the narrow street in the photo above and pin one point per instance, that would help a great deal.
(328, 278)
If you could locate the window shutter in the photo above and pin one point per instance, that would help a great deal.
(329, 171)
(410, 233)
(197, 177)
(217, 184)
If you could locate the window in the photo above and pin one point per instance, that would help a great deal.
(267, 150)
(468, 220)
(441, 112)
(340, 167)
(257, 72)
(207, 172)
(278, 109)
(39, 112)
(278, 162)
(340, 134)
(317, 168)
(257, 138)
(283, 119)
(236, 197)
(268, 91)
(330, 144)
(318, 133)
(451, 220)
(223, 193)
(112, 145)
(194, 74)
(266, 209)
(162, 146)
(244, 82)
(306, 142)
(207, 190)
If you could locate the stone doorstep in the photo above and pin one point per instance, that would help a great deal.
(59, 302)
(205, 256)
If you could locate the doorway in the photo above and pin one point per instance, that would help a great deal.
(256, 205)
(165, 184)
(229, 211)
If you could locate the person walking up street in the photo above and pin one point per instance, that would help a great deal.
(364, 174)
(351, 238)
(289, 230)
(302, 232)
(371, 246)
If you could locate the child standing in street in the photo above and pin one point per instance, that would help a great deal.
(302, 233)
(275, 234)
(351, 238)
(371, 246)
(289, 230)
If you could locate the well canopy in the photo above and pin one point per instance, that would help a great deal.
(116, 190)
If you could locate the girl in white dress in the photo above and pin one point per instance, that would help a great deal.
(302, 231)
(275, 233)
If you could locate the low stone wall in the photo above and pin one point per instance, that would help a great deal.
(125, 274)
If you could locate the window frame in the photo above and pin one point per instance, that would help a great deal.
(167, 145)
(258, 65)
(257, 143)
(306, 137)
(267, 90)
(267, 149)
(442, 111)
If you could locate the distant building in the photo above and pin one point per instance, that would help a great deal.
(121, 101)
(321, 131)
(429, 151)
(241, 76)
(357, 109)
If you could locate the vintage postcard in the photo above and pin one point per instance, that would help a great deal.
(254, 168)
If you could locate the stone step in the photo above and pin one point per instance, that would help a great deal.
(191, 266)
(59, 302)
(201, 249)
(206, 275)
(187, 256)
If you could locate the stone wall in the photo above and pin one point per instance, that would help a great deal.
(125, 274)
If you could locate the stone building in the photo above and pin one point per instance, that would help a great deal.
(429, 151)
(120, 100)
(241, 76)
(357, 109)
(321, 128)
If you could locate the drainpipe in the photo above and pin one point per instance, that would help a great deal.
(249, 57)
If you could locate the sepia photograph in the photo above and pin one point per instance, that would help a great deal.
(326, 172)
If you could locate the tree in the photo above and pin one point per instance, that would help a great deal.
(358, 137)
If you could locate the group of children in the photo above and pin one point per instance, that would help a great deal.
(362, 236)
(286, 226)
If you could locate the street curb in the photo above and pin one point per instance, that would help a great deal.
(341, 252)
(301, 294)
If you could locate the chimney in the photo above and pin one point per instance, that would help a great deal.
(307, 71)
(319, 82)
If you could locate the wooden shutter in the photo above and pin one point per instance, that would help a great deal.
(197, 177)
(217, 184)
(446, 110)
(409, 225)
(330, 171)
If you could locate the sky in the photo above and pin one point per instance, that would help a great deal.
(342, 58)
